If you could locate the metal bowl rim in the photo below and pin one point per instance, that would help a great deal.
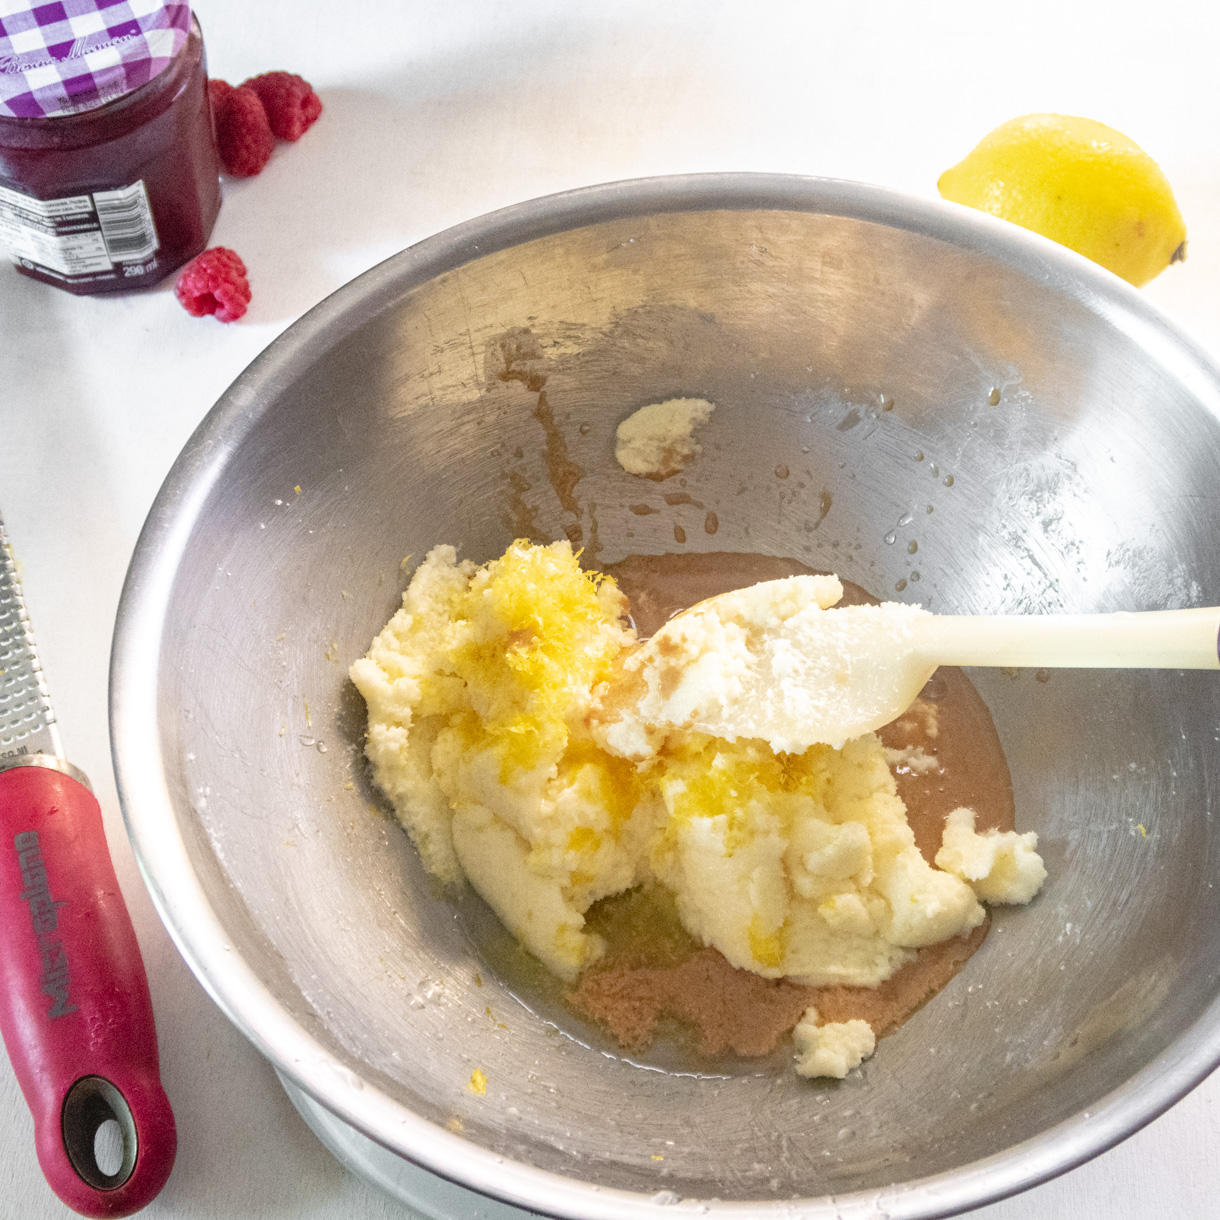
(148, 810)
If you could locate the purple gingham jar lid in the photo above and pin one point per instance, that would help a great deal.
(66, 56)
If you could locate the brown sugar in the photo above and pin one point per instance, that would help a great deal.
(729, 1009)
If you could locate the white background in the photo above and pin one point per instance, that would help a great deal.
(437, 112)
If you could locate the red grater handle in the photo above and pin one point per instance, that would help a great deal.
(75, 1011)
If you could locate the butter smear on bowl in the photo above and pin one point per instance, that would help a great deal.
(658, 440)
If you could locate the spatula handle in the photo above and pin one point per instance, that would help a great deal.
(1152, 639)
(75, 1010)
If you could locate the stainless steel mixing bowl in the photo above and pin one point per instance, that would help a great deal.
(939, 406)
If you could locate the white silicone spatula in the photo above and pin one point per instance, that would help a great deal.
(786, 670)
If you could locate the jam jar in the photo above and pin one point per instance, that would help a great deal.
(111, 195)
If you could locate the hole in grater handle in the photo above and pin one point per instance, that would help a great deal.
(91, 1105)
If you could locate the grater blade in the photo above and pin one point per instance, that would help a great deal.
(27, 721)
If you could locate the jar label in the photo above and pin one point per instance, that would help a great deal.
(82, 239)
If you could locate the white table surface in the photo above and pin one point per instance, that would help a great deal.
(437, 112)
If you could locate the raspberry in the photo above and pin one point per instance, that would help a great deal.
(290, 102)
(215, 282)
(218, 93)
(243, 136)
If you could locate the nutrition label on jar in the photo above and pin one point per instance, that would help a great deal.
(81, 239)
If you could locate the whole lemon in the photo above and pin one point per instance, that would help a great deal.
(1080, 183)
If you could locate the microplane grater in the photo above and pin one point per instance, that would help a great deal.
(75, 1013)
(27, 720)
